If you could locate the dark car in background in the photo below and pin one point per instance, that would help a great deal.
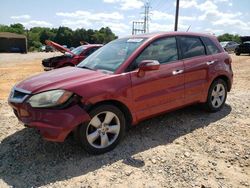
(49, 48)
(229, 46)
(69, 58)
(244, 47)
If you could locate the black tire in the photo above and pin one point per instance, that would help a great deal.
(209, 104)
(237, 53)
(81, 133)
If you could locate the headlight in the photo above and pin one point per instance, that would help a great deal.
(49, 98)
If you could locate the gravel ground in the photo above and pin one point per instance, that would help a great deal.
(185, 148)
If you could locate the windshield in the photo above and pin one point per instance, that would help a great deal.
(78, 50)
(112, 55)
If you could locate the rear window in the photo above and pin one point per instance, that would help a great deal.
(211, 47)
(191, 47)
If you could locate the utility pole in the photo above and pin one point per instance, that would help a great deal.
(142, 26)
(146, 17)
(176, 15)
(138, 27)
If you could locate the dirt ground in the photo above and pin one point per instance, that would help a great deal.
(185, 148)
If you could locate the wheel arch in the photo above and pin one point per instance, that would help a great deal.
(224, 78)
(118, 104)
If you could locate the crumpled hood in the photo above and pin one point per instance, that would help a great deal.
(58, 47)
(63, 78)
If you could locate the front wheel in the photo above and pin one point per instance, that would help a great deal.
(104, 131)
(217, 95)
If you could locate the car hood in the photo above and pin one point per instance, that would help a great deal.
(63, 78)
(58, 47)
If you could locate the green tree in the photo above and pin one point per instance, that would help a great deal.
(18, 28)
(47, 34)
(64, 36)
(229, 37)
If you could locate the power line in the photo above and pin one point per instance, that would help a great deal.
(142, 26)
(146, 17)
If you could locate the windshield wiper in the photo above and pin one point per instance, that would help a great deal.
(85, 67)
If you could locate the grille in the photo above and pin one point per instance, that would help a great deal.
(18, 95)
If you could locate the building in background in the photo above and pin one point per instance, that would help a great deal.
(11, 42)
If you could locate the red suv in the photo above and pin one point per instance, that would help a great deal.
(126, 81)
(70, 58)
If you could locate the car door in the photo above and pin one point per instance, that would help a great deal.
(196, 63)
(160, 90)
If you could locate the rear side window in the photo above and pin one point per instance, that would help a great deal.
(211, 47)
(164, 50)
(191, 47)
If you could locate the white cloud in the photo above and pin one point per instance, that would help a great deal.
(214, 31)
(166, 27)
(117, 27)
(25, 19)
(158, 15)
(127, 4)
(232, 22)
(187, 3)
(35, 23)
(96, 20)
(24, 16)
(86, 15)
(74, 23)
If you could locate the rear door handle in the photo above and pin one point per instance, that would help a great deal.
(210, 62)
(175, 72)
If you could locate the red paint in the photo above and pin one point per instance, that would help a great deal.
(62, 61)
(156, 90)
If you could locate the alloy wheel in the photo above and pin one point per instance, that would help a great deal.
(103, 129)
(218, 95)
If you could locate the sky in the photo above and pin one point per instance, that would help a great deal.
(207, 16)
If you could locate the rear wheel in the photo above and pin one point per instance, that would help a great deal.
(104, 131)
(217, 95)
(237, 53)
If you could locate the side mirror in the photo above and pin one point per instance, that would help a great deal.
(147, 65)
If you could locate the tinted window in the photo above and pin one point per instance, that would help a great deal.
(90, 51)
(191, 47)
(78, 50)
(163, 50)
(211, 47)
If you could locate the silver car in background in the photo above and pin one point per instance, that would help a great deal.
(229, 46)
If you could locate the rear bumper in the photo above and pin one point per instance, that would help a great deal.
(53, 125)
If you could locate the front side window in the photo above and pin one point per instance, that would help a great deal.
(112, 55)
(211, 47)
(191, 47)
(162, 50)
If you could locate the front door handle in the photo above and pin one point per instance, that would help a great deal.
(210, 62)
(175, 72)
